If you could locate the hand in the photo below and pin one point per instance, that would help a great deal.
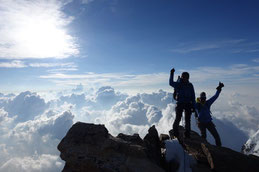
(221, 84)
(219, 87)
(172, 70)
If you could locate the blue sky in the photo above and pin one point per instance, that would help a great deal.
(101, 42)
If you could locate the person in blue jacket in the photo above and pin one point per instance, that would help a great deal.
(185, 101)
(204, 114)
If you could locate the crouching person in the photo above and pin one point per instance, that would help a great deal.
(204, 115)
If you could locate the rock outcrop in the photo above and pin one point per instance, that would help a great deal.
(89, 147)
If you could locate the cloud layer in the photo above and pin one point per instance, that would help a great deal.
(32, 127)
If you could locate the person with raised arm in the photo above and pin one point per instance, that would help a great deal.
(185, 101)
(204, 114)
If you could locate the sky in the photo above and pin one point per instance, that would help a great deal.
(131, 45)
(108, 62)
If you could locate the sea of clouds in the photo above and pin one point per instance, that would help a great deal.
(33, 124)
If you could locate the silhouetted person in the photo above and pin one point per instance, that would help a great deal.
(204, 115)
(185, 101)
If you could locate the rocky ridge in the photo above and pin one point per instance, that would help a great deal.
(89, 147)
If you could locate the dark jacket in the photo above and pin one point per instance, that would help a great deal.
(204, 114)
(185, 91)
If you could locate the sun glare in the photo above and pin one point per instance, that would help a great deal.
(44, 39)
(35, 29)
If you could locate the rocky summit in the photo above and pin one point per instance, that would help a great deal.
(90, 148)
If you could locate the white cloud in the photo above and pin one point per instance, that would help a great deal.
(153, 114)
(75, 99)
(26, 106)
(199, 46)
(238, 77)
(13, 64)
(31, 145)
(35, 29)
(86, 1)
(130, 83)
(160, 99)
(22, 64)
(233, 46)
(243, 116)
(5, 122)
(48, 65)
(237, 73)
(106, 97)
(58, 70)
(195, 48)
(256, 60)
(4, 117)
(55, 126)
(37, 136)
(79, 88)
(132, 115)
(44, 163)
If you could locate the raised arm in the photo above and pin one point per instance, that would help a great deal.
(213, 98)
(171, 79)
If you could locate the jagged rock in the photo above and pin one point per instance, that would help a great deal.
(220, 159)
(225, 159)
(134, 139)
(193, 145)
(153, 145)
(89, 147)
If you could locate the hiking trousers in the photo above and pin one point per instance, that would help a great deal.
(180, 107)
(212, 129)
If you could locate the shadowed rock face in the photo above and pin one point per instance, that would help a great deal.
(219, 159)
(89, 147)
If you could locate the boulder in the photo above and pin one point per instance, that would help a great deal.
(89, 147)
(220, 159)
(134, 139)
(153, 145)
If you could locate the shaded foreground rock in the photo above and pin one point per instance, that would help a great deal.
(220, 159)
(89, 147)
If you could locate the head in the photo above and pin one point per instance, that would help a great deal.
(185, 77)
(203, 97)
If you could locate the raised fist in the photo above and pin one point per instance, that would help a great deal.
(219, 87)
(172, 70)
